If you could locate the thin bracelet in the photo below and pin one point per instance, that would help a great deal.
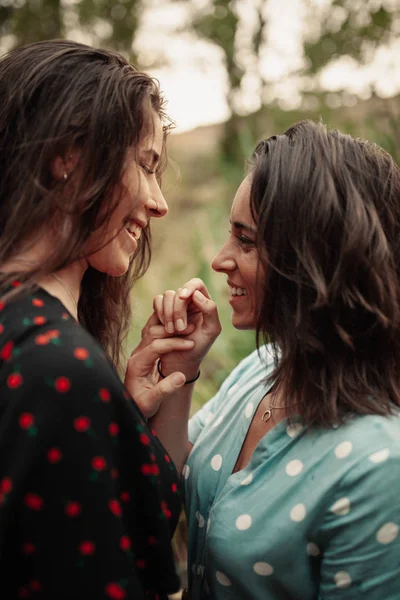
(163, 376)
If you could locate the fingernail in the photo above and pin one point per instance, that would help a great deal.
(178, 379)
(170, 327)
(184, 292)
(180, 324)
(199, 296)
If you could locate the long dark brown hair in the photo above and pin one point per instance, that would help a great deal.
(327, 208)
(56, 96)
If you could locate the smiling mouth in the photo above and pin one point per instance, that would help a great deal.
(133, 229)
(237, 291)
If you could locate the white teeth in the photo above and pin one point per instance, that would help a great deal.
(238, 291)
(134, 230)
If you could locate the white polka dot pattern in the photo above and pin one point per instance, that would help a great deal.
(387, 533)
(342, 579)
(216, 462)
(380, 456)
(249, 410)
(343, 449)
(298, 513)
(294, 467)
(263, 568)
(341, 506)
(243, 522)
(222, 578)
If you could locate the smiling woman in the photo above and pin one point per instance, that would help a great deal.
(88, 495)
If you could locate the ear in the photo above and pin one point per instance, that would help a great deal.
(62, 167)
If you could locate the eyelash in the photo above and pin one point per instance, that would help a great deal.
(147, 170)
(244, 240)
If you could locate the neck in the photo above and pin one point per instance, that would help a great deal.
(65, 285)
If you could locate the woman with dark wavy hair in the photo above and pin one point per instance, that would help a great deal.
(88, 495)
(292, 474)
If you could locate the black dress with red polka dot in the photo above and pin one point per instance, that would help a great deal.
(89, 498)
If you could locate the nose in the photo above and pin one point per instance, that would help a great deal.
(223, 262)
(157, 204)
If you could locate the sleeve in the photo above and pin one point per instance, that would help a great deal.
(360, 534)
(83, 529)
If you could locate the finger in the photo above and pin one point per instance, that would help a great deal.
(168, 310)
(151, 321)
(143, 359)
(158, 307)
(209, 311)
(180, 312)
(151, 399)
(191, 286)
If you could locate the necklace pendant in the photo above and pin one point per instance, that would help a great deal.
(267, 414)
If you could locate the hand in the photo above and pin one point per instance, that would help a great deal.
(142, 379)
(190, 314)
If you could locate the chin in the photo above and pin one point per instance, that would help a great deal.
(115, 269)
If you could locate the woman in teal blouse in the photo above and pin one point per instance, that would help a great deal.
(292, 471)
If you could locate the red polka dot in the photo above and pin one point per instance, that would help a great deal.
(115, 591)
(144, 439)
(165, 509)
(39, 320)
(42, 340)
(87, 548)
(155, 470)
(125, 497)
(81, 353)
(115, 507)
(99, 463)
(2, 305)
(26, 420)
(113, 429)
(16, 283)
(54, 455)
(6, 485)
(104, 395)
(167, 458)
(140, 563)
(35, 585)
(62, 384)
(33, 501)
(82, 424)
(6, 351)
(146, 469)
(73, 509)
(53, 333)
(23, 592)
(125, 543)
(1, 327)
(14, 380)
(28, 548)
(174, 487)
(37, 302)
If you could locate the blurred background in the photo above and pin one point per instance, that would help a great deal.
(233, 72)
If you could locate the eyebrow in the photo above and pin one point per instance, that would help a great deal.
(239, 225)
(153, 155)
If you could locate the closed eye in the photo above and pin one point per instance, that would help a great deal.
(147, 170)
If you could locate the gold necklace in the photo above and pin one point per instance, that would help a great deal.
(66, 288)
(267, 414)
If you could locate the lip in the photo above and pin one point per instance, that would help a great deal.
(132, 239)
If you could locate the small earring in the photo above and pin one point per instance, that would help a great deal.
(65, 176)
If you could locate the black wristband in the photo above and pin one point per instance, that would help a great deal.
(163, 376)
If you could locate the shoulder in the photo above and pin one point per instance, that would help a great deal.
(43, 348)
(255, 367)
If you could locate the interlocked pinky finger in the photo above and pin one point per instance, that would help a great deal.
(158, 306)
